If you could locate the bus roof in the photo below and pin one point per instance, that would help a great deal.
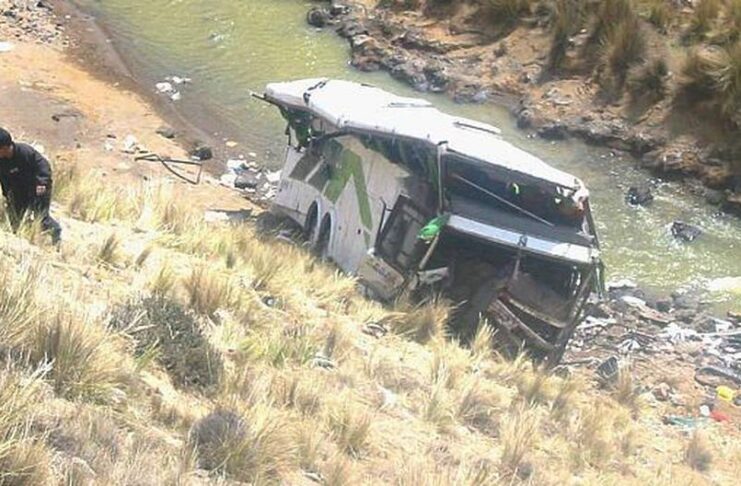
(359, 107)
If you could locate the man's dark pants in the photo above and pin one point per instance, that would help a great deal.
(18, 207)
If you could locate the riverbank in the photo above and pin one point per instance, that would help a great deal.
(478, 54)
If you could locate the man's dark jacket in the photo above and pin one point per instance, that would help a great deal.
(20, 174)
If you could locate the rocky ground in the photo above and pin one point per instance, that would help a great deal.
(457, 50)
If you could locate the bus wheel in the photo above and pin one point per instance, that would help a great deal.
(311, 227)
(320, 244)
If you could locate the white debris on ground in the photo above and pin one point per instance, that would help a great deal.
(257, 184)
(168, 87)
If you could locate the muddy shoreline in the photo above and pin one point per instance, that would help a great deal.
(435, 54)
(91, 47)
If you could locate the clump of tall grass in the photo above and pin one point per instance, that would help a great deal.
(518, 433)
(208, 291)
(22, 459)
(85, 361)
(254, 445)
(659, 13)
(280, 349)
(712, 75)
(568, 18)
(698, 454)
(623, 45)
(164, 329)
(421, 322)
(87, 198)
(350, 424)
(648, 82)
(480, 405)
(18, 306)
(704, 17)
(109, 251)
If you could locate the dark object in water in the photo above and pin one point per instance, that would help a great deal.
(639, 196)
(684, 231)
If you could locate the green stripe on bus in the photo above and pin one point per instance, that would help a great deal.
(350, 165)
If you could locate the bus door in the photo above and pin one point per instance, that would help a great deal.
(397, 250)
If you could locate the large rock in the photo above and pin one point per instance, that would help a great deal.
(639, 195)
(684, 231)
(247, 180)
(553, 131)
(318, 17)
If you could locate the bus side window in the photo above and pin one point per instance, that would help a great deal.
(305, 166)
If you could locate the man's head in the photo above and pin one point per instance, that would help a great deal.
(6, 144)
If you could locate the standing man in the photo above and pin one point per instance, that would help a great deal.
(25, 176)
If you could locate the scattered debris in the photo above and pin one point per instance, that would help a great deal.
(202, 152)
(322, 361)
(166, 132)
(6, 46)
(609, 370)
(130, 145)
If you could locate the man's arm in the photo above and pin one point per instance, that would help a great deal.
(42, 171)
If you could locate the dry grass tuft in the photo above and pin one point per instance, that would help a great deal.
(536, 387)
(207, 291)
(648, 82)
(254, 446)
(482, 344)
(85, 361)
(712, 75)
(626, 392)
(704, 17)
(22, 460)
(350, 424)
(518, 433)
(339, 471)
(567, 19)
(18, 306)
(109, 251)
(623, 46)
(421, 322)
(480, 405)
(163, 282)
(297, 392)
(698, 454)
(659, 13)
(438, 408)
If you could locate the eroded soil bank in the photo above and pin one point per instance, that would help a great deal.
(477, 55)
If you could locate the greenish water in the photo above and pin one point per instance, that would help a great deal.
(229, 47)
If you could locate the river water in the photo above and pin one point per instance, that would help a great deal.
(229, 47)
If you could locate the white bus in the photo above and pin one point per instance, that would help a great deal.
(408, 198)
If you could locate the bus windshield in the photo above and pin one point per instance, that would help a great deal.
(477, 189)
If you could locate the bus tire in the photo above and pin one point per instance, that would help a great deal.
(320, 244)
(311, 226)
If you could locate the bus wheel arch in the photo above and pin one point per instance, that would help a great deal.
(311, 226)
(323, 236)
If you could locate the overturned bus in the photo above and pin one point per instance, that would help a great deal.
(408, 198)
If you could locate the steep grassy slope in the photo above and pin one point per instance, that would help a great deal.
(155, 348)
